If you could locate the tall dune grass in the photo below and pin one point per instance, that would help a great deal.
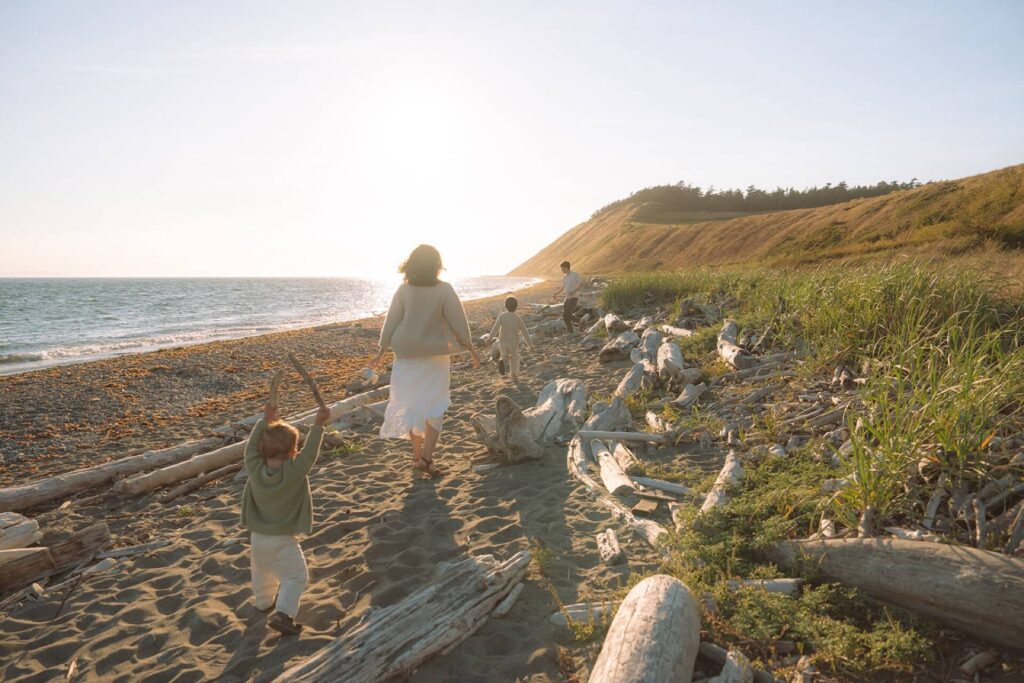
(941, 348)
(942, 351)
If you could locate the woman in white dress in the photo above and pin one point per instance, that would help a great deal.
(424, 326)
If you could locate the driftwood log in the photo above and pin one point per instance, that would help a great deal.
(613, 476)
(614, 324)
(612, 417)
(730, 662)
(582, 613)
(642, 376)
(200, 481)
(689, 396)
(577, 463)
(20, 535)
(618, 347)
(731, 475)
(669, 361)
(393, 641)
(728, 349)
(56, 558)
(649, 344)
(673, 331)
(654, 637)
(512, 439)
(608, 547)
(516, 435)
(222, 457)
(976, 591)
(61, 486)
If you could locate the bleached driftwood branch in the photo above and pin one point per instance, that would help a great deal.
(395, 640)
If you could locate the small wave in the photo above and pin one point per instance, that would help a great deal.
(8, 358)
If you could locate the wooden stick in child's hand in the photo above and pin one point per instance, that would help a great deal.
(309, 380)
(274, 384)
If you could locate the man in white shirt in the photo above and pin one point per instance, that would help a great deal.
(572, 283)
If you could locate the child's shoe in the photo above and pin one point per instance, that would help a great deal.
(284, 624)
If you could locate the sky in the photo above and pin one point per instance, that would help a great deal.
(145, 138)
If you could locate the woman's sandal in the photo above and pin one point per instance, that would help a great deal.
(427, 468)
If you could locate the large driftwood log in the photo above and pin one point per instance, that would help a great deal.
(613, 476)
(516, 435)
(654, 636)
(643, 323)
(642, 375)
(618, 348)
(20, 535)
(731, 475)
(649, 344)
(395, 640)
(730, 352)
(976, 591)
(689, 396)
(670, 361)
(222, 457)
(512, 439)
(611, 418)
(58, 557)
(561, 409)
(61, 486)
(675, 331)
(614, 324)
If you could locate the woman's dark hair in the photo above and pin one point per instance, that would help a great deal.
(422, 267)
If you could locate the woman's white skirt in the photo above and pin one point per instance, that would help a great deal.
(419, 394)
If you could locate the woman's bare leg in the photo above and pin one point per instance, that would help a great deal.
(429, 443)
(417, 446)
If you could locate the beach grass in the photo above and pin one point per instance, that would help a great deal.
(941, 355)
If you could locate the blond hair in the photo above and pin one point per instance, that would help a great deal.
(278, 441)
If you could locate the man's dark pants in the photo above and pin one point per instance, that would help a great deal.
(568, 310)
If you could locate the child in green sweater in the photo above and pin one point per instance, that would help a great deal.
(276, 507)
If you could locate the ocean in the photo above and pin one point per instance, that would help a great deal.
(46, 322)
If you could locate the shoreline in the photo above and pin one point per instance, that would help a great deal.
(64, 417)
(34, 365)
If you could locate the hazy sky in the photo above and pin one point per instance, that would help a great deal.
(328, 138)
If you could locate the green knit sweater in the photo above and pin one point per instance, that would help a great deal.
(277, 502)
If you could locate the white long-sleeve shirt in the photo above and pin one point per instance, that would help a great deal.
(508, 327)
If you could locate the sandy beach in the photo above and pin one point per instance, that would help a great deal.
(185, 613)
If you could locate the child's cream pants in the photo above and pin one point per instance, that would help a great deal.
(510, 354)
(278, 565)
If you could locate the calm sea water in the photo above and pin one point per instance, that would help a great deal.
(46, 322)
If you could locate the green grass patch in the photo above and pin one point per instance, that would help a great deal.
(779, 499)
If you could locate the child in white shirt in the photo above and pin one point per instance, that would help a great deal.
(508, 327)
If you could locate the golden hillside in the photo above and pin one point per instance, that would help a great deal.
(948, 217)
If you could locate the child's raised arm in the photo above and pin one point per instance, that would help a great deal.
(252, 446)
(306, 458)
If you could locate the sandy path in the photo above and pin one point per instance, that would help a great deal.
(185, 613)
